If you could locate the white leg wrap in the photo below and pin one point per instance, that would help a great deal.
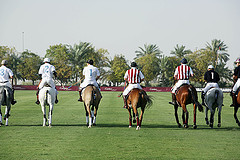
(0, 118)
(94, 120)
(6, 122)
(44, 121)
(50, 119)
(90, 122)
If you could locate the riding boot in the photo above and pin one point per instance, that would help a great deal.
(37, 102)
(203, 98)
(232, 94)
(13, 100)
(56, 100)
(80, 95)
(173, 99)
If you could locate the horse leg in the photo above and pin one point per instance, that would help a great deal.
(134, 117)
(95, 116)
(212, 118)
(92, 113)
(44, 115)
(195, 116)
(7, 113)
(90, 116)
(219, 115)
(235, 115)
(50, 115)
(176, 115)
(141, 116)
(206, 115)
(185, 121)
(137, 116)
(130, 117)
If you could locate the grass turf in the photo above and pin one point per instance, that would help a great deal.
(159, 137)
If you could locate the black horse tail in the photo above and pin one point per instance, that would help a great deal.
(193, 92)
(143, 95)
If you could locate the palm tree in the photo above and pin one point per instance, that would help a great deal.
(219, 51)
(148, 49)
(180, 52)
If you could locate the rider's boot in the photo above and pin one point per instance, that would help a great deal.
(13, 100)
(232, 94)
(56, 100)
(173, 99)
(203, 98)
(37, 102)
(80, 95)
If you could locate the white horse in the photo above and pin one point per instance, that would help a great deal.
(213, 100)
(47, 96)
(5, 99)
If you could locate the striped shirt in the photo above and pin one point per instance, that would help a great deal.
(133, 75)
(183, 72)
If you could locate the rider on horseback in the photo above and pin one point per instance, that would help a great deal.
(236, 78)
(212, 78)
(5, 74)
(91, 75)
(46, 71)
(134, 78)
(182, 74)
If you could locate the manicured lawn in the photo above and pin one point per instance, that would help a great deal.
(159, 137)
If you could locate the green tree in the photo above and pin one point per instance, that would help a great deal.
(180, 52)
(118, 68)
(30, 63)
(60, 58)
(148, 50)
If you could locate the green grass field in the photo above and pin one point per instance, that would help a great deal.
(159, 137)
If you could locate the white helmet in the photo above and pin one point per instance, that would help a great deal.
(4, 62)
(46, 60)
(210, 67)
(238, 60)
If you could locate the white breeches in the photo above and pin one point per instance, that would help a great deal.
(237, 84)
(45, 81)
(210, 85)
(8, 84)
(130, 87)
(85, 83)
(178, 84)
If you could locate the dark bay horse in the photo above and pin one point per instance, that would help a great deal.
(91, 99)
(236, 106)
(137, 99)
(187, 94)
(5, 99)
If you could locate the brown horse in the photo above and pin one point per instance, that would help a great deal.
(187, 94)
(91, 99)
(236, 106)
(138, 99)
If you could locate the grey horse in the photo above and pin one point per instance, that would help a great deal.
(213, 100)
(5, 100)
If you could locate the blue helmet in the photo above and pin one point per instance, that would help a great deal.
(184, 61)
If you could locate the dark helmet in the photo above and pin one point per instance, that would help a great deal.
(133, 64)
(184, 61)
(90, 61)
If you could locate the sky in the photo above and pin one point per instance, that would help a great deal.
(120, 26)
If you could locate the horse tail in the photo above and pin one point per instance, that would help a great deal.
(194, 98)
(216, 94)
(148, 99)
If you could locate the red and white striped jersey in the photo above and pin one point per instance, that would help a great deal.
(133, 75)
(183, 72)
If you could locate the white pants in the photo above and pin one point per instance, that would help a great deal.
(210, 85)
(48, 81)
(237, 84)
(85, 83)
(8, 84)
(130, 87)
(178, 84)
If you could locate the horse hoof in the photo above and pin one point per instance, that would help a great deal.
(50, 126)
(239, 124)
(194, 126)
(185, 126)
(179, 125)
(211, 125)
(129, 126)
(94, 124)
(138, 128)
(219, 125)
(134, 121)
(89, 126)
(207, 122)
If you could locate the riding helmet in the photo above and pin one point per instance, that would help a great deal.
(238, 60)
(4, 62)
(46, 60)
(210, 67)
(90, 61)
(133, 64)
(184, 61)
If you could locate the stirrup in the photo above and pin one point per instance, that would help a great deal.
(56, 101)
(13, 102)
(37, 102)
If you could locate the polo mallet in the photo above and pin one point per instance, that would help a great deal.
(123, 89)
(75, 83)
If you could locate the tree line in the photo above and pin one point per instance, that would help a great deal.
(157, 68)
